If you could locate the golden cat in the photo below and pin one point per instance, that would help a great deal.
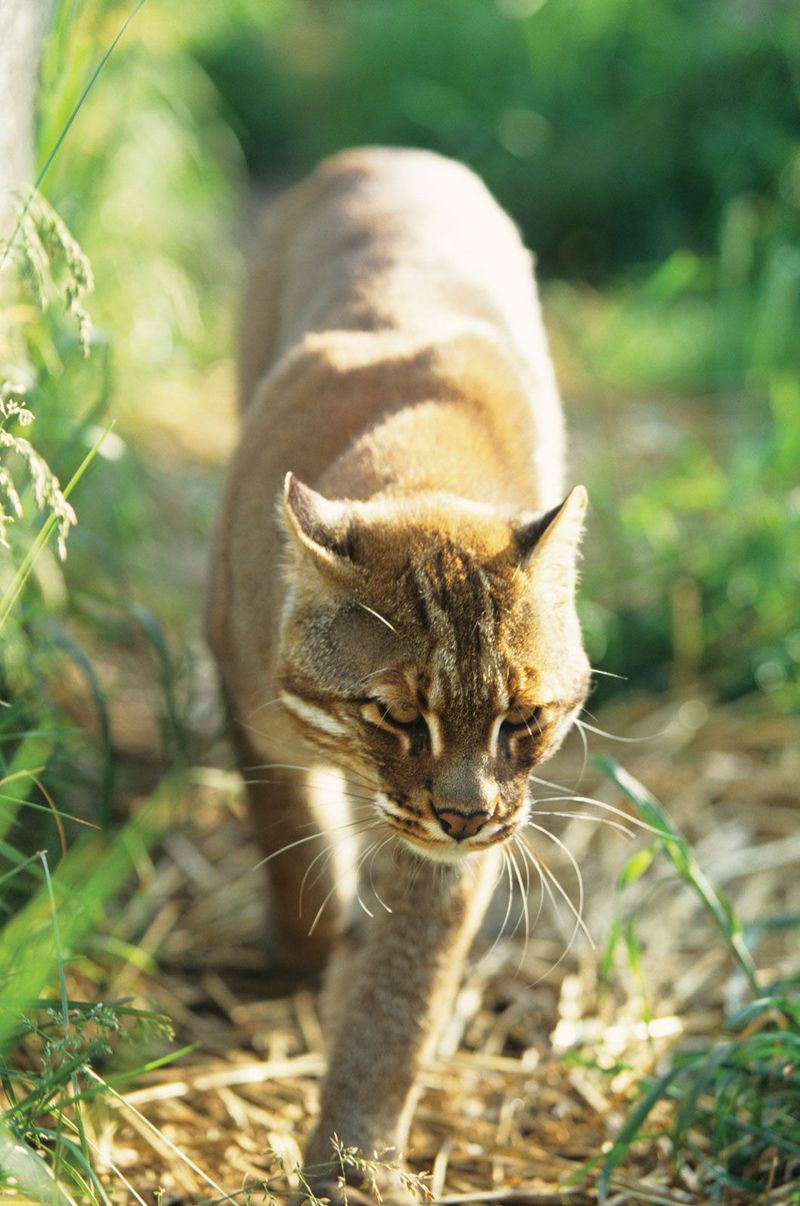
(401, 636)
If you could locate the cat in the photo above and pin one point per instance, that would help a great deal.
(402, 637)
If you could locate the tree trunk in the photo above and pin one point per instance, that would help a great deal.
(23, 25)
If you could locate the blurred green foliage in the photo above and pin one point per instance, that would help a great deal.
(708, 562)
(652, 150)
(653, 147)
(143, 181)
(650, 153)
(613, 130)
(57, 377)
(737, 1095)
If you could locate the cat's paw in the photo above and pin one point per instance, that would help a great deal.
(380, 1192)
(352, 1180)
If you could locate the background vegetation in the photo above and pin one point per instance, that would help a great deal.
(650, 153)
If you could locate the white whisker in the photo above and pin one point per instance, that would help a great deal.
(329, 850)
(271, 703)
(322, 907)
(291, 845)
(336, 776)
(372, 674)
(375, 891)
(584, 764)
(364, 908)
(578, 913)
(415, 870)
(541, 866)
(311, 837)
(321, 910)
(524, 909)
(626, 816)
(531, 862)
(355, 803)
(500, 872)
(378, 616)
(357, 809)
(274, 742)
(549, 783)
(582, 724)
(507, 869)
(584, 816)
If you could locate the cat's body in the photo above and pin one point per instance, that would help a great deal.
(410, 620)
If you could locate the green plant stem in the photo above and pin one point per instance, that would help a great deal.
(14, 590)
(45, 168)
(62, 984)
(683, 860)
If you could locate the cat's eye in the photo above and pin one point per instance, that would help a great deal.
(522, 720)
(402, 713)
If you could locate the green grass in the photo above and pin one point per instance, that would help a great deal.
(50, 1048)
(56, 886)
(651, 151)
(733, 1103)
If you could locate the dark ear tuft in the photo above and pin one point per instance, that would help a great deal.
(549, 544)
(299, 501)
(323, 526)
(528, 536)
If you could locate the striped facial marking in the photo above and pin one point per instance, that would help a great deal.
(313, 715)
(442, 681)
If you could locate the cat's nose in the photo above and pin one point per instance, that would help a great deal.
(460, 825)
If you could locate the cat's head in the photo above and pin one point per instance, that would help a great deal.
(431, 644)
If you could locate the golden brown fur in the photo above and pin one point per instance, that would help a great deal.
(409, 619)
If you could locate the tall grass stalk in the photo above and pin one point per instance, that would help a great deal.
(51, 902)
(10, 596)
(735, 1102)
(685, 864)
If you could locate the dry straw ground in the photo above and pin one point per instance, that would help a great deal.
(540, 1061)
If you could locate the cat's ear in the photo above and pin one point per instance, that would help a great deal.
(549, 544)
(322, 526)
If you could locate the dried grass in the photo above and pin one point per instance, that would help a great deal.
(539, 1062)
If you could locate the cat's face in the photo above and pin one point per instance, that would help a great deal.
(432, 646)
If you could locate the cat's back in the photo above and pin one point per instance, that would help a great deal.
(399, 241)
(392, 342)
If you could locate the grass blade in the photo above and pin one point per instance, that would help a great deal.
(29, 759)
(680, 854)
(86, 879)
(23, 572)
(630, 1129)
(31, 1173)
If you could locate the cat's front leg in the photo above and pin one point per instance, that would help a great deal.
(280, 794)
(387, 1009)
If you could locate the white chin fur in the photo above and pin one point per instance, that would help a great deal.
(455, 852)
(438, 852)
